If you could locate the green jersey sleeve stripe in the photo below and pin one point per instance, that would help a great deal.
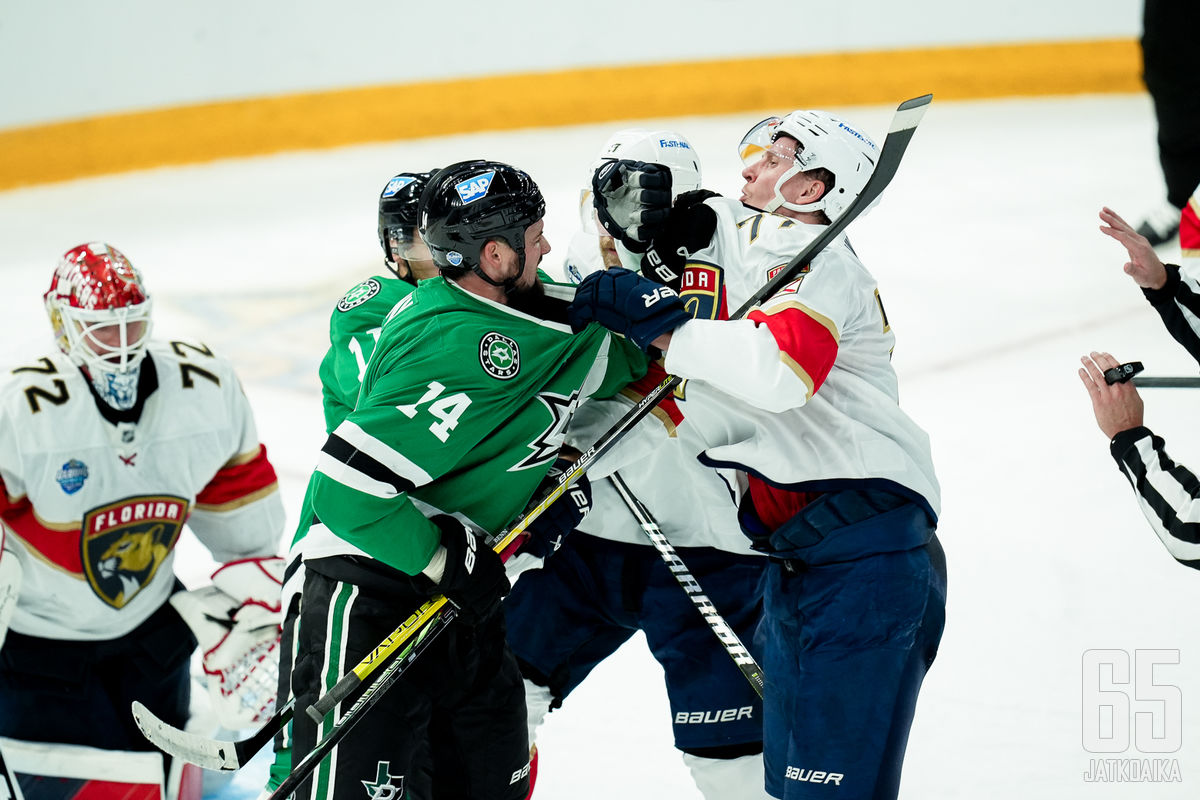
(341, 451)
(382, 452)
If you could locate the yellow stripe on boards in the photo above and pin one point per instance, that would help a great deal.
(199, 133)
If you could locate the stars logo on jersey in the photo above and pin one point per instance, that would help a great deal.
(385, 786)
(71, 476)
(546, 446)
(499, 355)
(359, 294)
(124, 543)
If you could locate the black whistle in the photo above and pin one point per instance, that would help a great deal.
(1123, 373)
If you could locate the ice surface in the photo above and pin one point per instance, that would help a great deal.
(996, 280)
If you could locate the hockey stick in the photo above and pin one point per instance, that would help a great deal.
(302, 770)
(729, 640)
(227, 756)
(236, 754)
(1148, 382)
(904, 123)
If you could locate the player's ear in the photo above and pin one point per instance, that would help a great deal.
(813, 191)
(491, 253)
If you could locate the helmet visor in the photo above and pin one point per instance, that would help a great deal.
(758, 140)
(587, 214)
(406, 244)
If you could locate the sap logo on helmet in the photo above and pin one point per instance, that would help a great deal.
(455, 258)
(396, 184)
(674, 143)
(473, 189)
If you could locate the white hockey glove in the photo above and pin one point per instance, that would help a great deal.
(632, 200)
(10, 586)
(237, 623)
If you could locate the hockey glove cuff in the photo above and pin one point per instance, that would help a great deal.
(550, 529)
(474, 579)
(632, 199)
(626, 303)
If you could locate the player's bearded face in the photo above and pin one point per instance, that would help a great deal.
(536, 248)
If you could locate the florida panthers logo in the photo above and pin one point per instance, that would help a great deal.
(124, 543)
(703, 291)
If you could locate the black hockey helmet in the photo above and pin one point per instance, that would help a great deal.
(470, 203)
(398, 204)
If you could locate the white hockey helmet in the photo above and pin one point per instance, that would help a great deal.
(653, 147)
(824, 141)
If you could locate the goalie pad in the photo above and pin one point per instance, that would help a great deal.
(47, 771)
(9, 788)
(10, 587)
(236, 621)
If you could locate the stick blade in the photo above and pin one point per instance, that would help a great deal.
(194, 749)
(909, 113)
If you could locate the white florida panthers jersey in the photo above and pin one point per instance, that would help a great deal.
(94, 508)
(694, 504)
(801, 392)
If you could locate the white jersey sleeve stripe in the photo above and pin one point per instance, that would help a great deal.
(1168, 494)
(348, 476)
(391, 460)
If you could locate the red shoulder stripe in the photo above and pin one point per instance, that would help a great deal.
(809, 345)
(1189, 228)
(239, 482)
(667, 410)
(59, 546)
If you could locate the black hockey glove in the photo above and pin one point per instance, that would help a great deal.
(474, 579)
(632, 199)
(688, 228)
(547, 532)
(626, 303)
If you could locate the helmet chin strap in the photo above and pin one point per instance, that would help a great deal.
(394, 268)
(778, 200)
(508, 284)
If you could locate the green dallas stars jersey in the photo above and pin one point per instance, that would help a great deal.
(462, 410)
(354, 329)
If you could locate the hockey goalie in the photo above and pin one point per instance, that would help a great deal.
(111, 443)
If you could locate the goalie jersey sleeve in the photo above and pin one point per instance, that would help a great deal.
(801, 393)
(462, 411)
(94, 509)
(1168, 493)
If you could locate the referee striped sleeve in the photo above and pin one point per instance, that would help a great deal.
(354, 458)
(1168, 493)
(1178, 304)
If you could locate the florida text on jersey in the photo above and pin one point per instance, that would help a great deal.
(97, 506)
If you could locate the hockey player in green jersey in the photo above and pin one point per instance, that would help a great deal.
(461, 413)
(354, 328)
(356, 322)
